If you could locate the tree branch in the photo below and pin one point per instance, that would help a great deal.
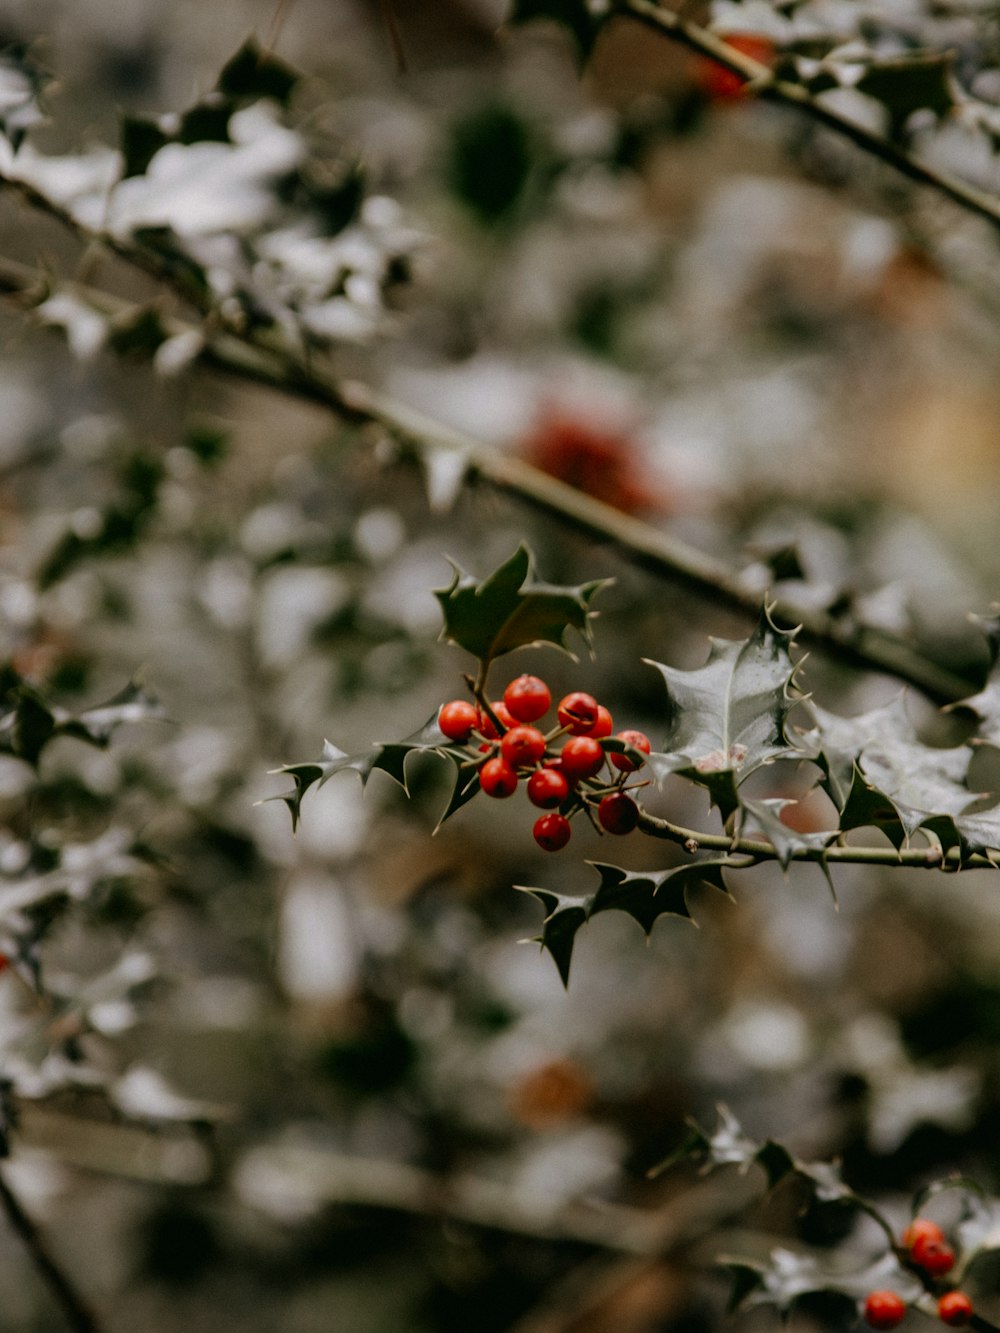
(648, 547)
(922, 858)
(763, 83)
(78, 1315)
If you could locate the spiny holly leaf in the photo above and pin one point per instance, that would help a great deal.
(867, 807)
(764, 818)
(388, 758)
(880, 775)
(573, 15)
(728, 717)
(729, 1145)
(790, 1275)
(509, 609)
(253, 73)
(21, 85)
(914, 82)
(28, 721)
(644, 895)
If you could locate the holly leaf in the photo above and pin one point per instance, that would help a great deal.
(913, 82)
(572, 15)
(510, 609)
(21, 84)
(880, 775)
(728, 718)
(28, 721)
(730, 1145)
(388, 758)
(253, 73)
(763, 817)
(644, 895)
(789, 1275)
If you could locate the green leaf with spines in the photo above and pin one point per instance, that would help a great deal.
(763, 818)
(880, 775)
(572, 15)
(509, 609)
(390, 759)
(729, 717)
(916, 81)
(644, 895)
(28, 721)
(254, 73)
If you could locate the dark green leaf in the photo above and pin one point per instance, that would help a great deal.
(644, 895)
(338, 205)
(728, 717)
(139, 334)
(490, 161)
(21, 83)
(206, 122)
(509, 609)
(389, 759)
(132, 704)
(253, 73)
(764, 817)
(140, 140)
(904, 84)
(573, 15)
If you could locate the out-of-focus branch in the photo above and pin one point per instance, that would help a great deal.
(650, 548)
(762, 82)
(79, 1317)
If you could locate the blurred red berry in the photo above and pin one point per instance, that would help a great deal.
(922, 1227)
(722, 85)
(457, 719)
(601, 461)
(527, 698)
(552, 832)
(954, 1309)
(884, 1309)
(934, 1256)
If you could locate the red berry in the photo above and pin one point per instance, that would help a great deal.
(578, 712)
(618, 813)
(721, 84)
(551, 832)
(547, 788)
(954, 1309)
(497, 778)
(580, 758)
(485, 722)
(884, 1309)
(522, 747)
(528, 698)
(639, 741)
(922, 1226)
(603, 726)
(457, 719)
(933, 1256)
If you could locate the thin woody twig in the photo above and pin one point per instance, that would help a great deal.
(648, 547)
(765, 84)
(79, 1317)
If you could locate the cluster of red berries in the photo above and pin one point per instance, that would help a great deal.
(561, 780)
(927, 1251)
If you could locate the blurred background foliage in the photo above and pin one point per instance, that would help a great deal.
(312, 1083)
